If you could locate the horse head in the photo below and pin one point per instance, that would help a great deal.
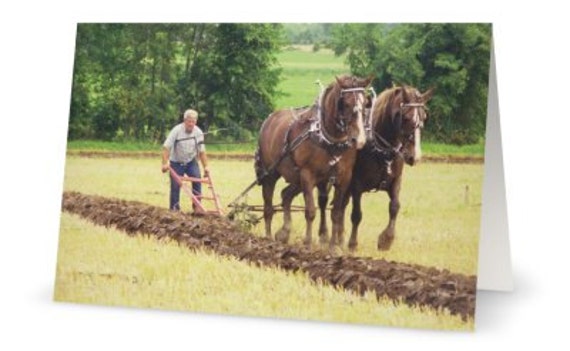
(345, 103)
(408, 113)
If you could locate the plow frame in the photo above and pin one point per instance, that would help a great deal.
(185, 184)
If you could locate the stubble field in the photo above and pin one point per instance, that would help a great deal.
(437, 227)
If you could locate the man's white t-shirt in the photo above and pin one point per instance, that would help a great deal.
(184, 146)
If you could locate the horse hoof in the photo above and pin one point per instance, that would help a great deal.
(384, 243)
(352, 246)
(323, 239)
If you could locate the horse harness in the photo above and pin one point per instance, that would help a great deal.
(380, 147)
(320, 136)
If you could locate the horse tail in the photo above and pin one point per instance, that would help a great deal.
(273, 145)
(260, 171)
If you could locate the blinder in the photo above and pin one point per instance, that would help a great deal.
(418, 122)
(386, 150)
(397, 122)
(341, 121)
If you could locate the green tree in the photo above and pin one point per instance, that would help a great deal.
(454, 58)
(133, 81)
(244, 78)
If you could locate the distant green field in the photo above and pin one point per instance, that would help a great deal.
(301, 69)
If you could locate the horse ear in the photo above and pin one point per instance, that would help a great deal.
(428, 94)
(339, 82)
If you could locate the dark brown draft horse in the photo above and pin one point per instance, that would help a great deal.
(311, 146)
(393, 133)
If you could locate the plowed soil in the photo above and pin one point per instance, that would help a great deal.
(249, 157)
(412, 284)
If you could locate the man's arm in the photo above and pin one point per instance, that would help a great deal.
(165, 159)
(168, 144)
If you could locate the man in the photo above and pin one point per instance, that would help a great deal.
(184, 143)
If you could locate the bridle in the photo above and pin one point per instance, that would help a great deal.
(418, 122)
(319, 134)
(381, 146)
(341, 121)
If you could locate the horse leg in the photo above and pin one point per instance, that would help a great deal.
(307, 184)
(268, 188)
(323, 200)
(340, 199)
(355, 218)
(387, 237)
(287, 196)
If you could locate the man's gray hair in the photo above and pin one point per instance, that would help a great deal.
(192, 114)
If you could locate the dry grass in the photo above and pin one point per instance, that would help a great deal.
(436, 227)
(103, 266)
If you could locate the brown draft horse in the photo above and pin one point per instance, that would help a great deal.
(393, 129)
(311, 146)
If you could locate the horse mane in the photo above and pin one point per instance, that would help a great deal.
(332, 94)
(385, 100)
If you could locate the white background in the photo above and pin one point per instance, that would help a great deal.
(36, 53)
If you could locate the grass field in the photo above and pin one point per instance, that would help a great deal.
(438, 226)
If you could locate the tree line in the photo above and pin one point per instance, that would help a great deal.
(452, 58)
(133, 81)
